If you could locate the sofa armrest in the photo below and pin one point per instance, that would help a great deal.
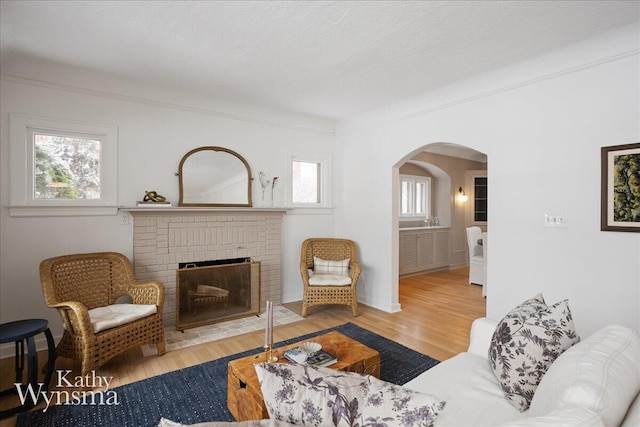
(480, 338)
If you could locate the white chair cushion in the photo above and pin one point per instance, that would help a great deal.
(110, 316)
(329, 280)
(602, 373)
(477, 259)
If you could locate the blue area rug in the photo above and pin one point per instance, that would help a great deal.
(199, 393)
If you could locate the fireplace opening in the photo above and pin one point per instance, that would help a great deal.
(215, 291)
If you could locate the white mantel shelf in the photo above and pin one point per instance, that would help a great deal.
(184, 209)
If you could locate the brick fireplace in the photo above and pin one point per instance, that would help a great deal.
(165, 237)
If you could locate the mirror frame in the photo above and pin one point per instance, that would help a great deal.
(225, 150)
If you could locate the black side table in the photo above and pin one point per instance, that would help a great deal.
(18, 332)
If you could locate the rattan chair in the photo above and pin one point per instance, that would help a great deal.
(332, 250)
(75, 284)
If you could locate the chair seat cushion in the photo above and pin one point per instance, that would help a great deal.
(477, 259)
(110, 316)
(329, 280)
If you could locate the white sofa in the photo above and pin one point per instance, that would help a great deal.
(593, 383)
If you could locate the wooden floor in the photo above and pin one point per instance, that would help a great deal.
(437, 311)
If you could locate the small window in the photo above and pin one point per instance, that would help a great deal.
(66, 166)
(414, 196)
(61, 167)
(310, 180)
(480, 198)
(305, 178)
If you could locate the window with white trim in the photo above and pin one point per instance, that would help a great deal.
(61, 167)
(310, 181)
(415, 193)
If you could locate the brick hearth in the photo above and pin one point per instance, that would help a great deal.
(162, 238)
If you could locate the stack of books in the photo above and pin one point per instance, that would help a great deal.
(321, 358)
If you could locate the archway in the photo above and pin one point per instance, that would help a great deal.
(449, 167)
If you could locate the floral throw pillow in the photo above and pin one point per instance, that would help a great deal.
(311, 396)
(525, 344)
(393, 405)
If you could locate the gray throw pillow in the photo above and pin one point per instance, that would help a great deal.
(525, 344)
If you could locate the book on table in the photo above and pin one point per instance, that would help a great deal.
(321, 358)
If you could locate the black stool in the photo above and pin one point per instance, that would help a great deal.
(18, 332)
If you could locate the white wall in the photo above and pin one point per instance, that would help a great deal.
(543, 140)
(153, 137)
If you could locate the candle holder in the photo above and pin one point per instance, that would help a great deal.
(270, 355)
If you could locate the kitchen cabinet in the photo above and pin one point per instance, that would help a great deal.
(423, 249)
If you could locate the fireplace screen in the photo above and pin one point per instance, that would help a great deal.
(214, 293)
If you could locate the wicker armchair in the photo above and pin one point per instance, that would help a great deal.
(75, 284)
(331, 250)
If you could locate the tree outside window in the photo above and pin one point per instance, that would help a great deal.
(66, 167)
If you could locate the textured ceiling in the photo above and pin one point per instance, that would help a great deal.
(328, 58)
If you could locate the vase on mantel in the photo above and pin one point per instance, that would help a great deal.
(265, 201)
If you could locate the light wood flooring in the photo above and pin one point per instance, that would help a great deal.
(436, 316)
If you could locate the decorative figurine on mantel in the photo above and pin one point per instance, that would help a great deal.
(153, 199)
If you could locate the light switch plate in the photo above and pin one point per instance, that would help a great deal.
(555, 220)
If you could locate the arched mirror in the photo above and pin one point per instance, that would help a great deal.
(214, 176)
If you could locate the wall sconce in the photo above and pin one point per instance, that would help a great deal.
(462, 197)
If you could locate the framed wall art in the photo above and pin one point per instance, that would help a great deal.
(620, 199)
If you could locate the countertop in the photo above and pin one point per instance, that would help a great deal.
(424, 227)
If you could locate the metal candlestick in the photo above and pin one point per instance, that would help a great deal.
(270, 355)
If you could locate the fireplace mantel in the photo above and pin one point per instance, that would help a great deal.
(179, 209)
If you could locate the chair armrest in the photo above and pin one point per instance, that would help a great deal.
(75, 316)
(354, 272)
(148, 293)
(480, 337)
(304, 271)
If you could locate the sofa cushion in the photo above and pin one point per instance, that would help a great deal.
(602, 373)
(526, 342)
(471, 390)
(566, 417)
(305, 395)
(482, 330)
(322, 266)
(632, 419)
(110, 316)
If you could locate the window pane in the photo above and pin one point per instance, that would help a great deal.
(306, 182)
(66, 167)
(480, 199)
(406, 196)
(420, 193)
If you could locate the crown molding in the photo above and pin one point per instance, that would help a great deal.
(162, 104)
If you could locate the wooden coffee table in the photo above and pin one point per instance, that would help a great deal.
(244, 397)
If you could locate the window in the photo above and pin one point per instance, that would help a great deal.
(414, 196)
(480, 199)
(62, 167)
(310, 180)
(65, 166)
(305, 179)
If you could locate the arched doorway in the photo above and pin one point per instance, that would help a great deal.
(450, 171)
